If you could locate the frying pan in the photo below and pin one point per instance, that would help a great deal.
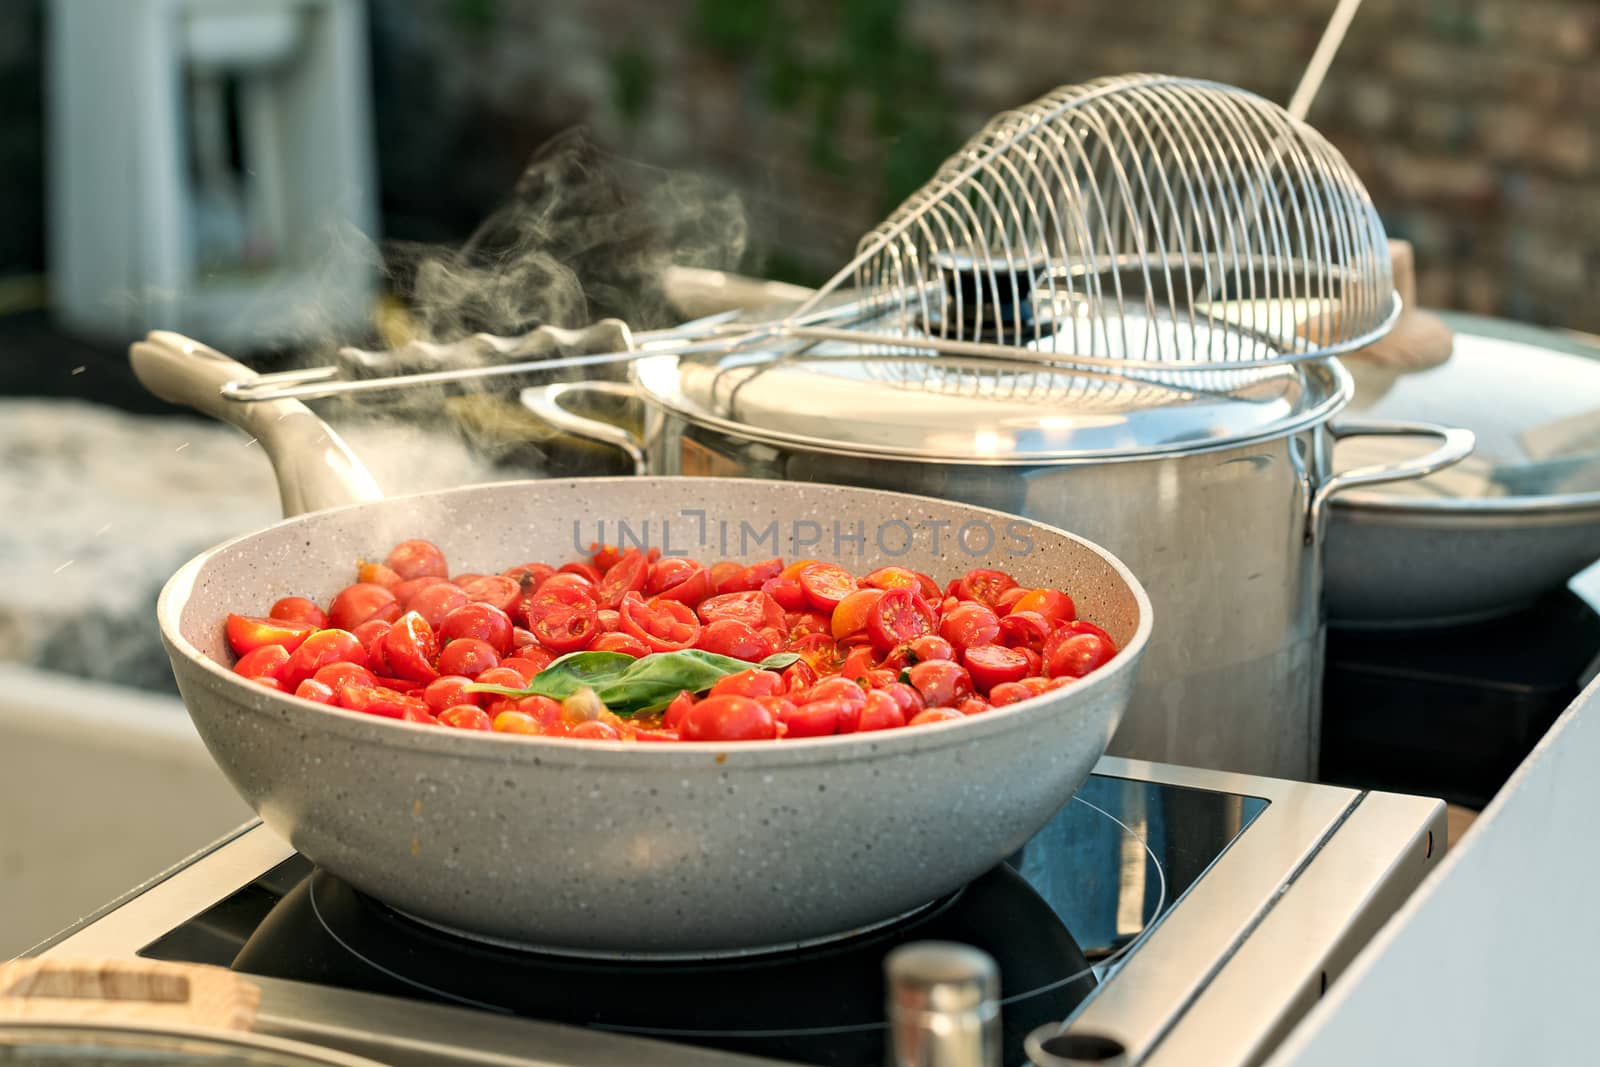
(587, 847)
(1510, 523)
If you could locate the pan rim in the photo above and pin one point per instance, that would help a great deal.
(837, 748)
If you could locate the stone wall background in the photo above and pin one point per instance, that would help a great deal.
(1476, 123)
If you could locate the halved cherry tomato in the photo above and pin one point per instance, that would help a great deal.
(466, 717)
(728, 718)
(504, 677)
(1010, 693)
(417, 559)
(483, 621)
(299, 609)
(246, 633)
(522, 637)
(754, 608)
(838, 688)
(970, 623)
(672, 717)
(730, 637)
(800, 623)
(570, 580)
(355, 604)
(989, 665)
(909, 699)
(267, 661)
(410, 648)
(1024, 629)
(899, 616)
(793, 570)
(467, 656)
(854, 612)
(726, 574)
(1078, 626)
(1005, 601)
(529, 575)
(371, 634)
(604, 557)
(627, 575)
(974, 706)
(436, 601)
(494, 589)
(529, 661)
(751, 578)
(582, 569)
(857, 662)
(610, 620)
(336, 674)
(378, 574)
(1053, 604)
(664, 625)
(984, 585)
(789, 594)
(676, 578)
(826, 584)
(313, 690)
(556, 598)
(932, 715)
(318, 651)
(376, 700)
(567, 629)
(798, 676)
(595, 731)
(817, 651)
(627, 644)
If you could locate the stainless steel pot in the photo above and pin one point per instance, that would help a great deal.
(608, 847)
(1212, 485)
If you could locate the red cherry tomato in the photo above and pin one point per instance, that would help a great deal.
(299, 609)
(627, 575)
(604, 557)
(467, 656)
(728, 718)
(748, 579)
(595, 731)
(754, 608)
(1024, 629)
(610, 620)
(664, 625)
(529, 575)
(1010, 693)
(449, 690)
(407, 590)
(1078, 626)
(318, 651)
(356, 604)
(800, 623)
(789, 594)
(984, 586)
(522, 638)
(494, 589)
(940, 682)
(881, 712)
(826, 584)
(676, 578)
(1075, 655)
(932, 715)
(909, 699)
(1053, 604)
(584, 570)
(567, 629)
(857, 662)
(899, 616)
(502, 676)
(569, 580)
(750, 683)
(267, 661)
(269, 683)
(627, 644)
(793, 570)
(1005, 602)
(246, 633)
(798, 676)
(724, 576)
(480, 620)
(529, 661)
(336, 674)
(672, 717)
(466, 717)
(989, 665)
(417, 559)
(818, 719)
(371, 634)
(838, 688)
(854, 612)
(729, 637)
(970, 623)
(378, 574)
(316, 691)
(410, 648)
(922, 649)
(436, 601)
(377, 700)
(516, 722)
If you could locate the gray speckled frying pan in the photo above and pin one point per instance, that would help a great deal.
(611, 847)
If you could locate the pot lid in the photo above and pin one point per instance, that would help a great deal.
(845, 397)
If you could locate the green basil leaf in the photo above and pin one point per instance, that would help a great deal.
(631, 686)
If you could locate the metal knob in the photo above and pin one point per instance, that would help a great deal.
(1050, 1046)
(944, 1006)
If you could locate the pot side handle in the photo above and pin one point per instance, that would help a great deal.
(545, 402)
(1457, 445)
(315, 468)
(146, 992)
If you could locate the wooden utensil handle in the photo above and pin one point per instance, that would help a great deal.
(133, 991)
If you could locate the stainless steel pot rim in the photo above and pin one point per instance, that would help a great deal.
(1575, 507)
(621, 754)
(1341, 388)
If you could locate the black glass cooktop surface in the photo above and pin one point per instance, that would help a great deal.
(1058, 918)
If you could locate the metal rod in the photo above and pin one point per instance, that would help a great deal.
(1322, 59)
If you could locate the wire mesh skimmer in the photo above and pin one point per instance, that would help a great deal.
(1135, 223)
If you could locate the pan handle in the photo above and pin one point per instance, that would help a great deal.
(315, 468)
(147, 992)
(545, 402)
(1457, 445)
